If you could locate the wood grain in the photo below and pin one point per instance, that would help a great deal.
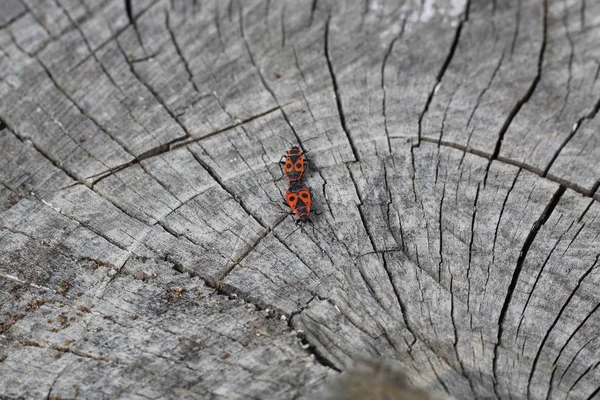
(454, 166)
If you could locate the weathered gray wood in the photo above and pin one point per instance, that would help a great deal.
(144, 249)
(24, 171)
(567, 93)
(11, 10)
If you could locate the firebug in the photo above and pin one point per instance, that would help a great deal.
(294, 164)
(298, 198)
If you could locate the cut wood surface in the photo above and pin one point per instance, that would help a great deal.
(455, 164)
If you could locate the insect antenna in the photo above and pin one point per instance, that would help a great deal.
(285, 139)
(312, 225)
(291, 233)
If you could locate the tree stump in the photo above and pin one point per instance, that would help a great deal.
(145, 252)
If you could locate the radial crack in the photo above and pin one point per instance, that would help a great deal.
(537, 278)
(473, 216)
(442, 71)
(576, 127)
(336, 91)
(562, 309)
(383, 65)
(516, 273)
(517, 107)
(576, 188)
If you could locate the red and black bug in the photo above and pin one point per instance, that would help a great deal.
(294, 164)
(298, 198)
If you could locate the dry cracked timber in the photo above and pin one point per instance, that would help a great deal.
(145, 252)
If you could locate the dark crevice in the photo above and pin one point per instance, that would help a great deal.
(67, 172)
(180, 143)
(13, 19)
(114, 36)
(152, 91)
(517, 107)
(268, 88)
(383, 65)
(441, 138)
(565, 19)
(218, 179)
(517, 271)
(232, 292)
(180, 52)
(88, 227)
(594, 394)
(473, 216)
(585, 211)
(249, 168)
(399, 299)
(455, 342)
(384, 261)
(484, 91)
(414, 172)
(439, 379)
(65, 349)
(390, 207)
(313, 8)
(48, 157)
(266, 85)
(516, 31)
(301, 310)
(228, 269)
(537, 278)
(584, 373)
(251, 55)
(75, 24)
(325, 195)
(442, 71)
(576, 188)
(266, 19)
(462, 158)
(578, 124)
(132, 21)
(595, 189)
(574, 236)
(338, 98)
(129, 11)
(176, 144)
(121, 208)
(230, 10)
(217, 20)
(37, 19)
(383, 112)
(319, 357)
(562, 309)
(441, 240)
(571, 336)
(110, 172)
(83, 111)
(570, 362)
(282, 23)
(66, 133)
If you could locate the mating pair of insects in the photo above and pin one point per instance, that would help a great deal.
(297, 196)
